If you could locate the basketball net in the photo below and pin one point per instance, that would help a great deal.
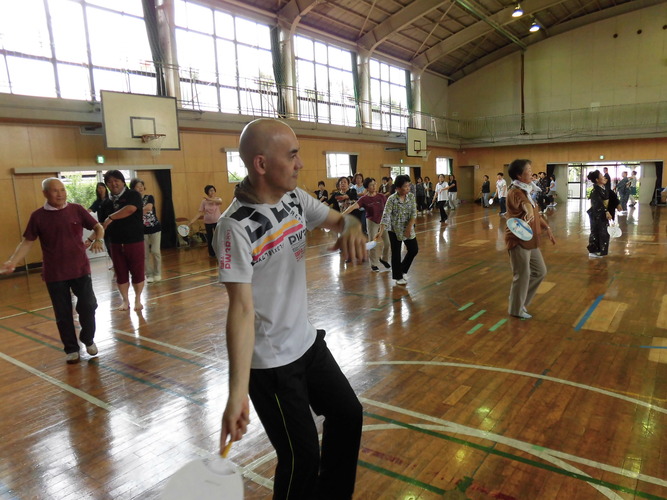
(154, 141)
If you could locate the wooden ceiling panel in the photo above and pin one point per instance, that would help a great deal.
(444, 37)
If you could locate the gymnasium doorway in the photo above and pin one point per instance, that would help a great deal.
(578, 184)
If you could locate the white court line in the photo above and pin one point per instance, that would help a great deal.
(73, 390)
(167, 345)
(528, 448)
(180, 291)
(120, 413)
(26, 312)
(515, 443)
(526, 374)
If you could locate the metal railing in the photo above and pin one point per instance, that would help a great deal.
(262, 97)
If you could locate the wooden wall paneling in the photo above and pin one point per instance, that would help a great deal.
(53, 146)
(182, 196)
(14, 149)
(87, 148)
(9, 220)
(197, 149)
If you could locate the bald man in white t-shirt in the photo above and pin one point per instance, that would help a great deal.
(276, 355)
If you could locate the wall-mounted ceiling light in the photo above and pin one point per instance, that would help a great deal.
(534, 27)
(518, 11)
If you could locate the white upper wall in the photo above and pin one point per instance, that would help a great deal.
(574, 70)
(434, 94)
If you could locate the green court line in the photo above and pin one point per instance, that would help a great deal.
(517, 458)
(465, 306)
(498, 325)
(474, 328)
(475, 316)
(401, 477)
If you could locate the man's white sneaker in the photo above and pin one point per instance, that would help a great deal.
(401, 282)
(73, 358)
(92, 349)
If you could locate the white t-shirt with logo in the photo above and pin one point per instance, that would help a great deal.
(501, 188)
(265, 245)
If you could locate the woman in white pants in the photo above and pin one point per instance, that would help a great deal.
(152, 233)
(453, 192)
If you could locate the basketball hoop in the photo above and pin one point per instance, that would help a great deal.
(154, 141)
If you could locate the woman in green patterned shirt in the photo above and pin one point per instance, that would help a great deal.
(398, 219)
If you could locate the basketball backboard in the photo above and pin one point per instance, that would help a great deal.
(128, 117)
(415, 144)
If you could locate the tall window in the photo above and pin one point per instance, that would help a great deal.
(325, 82)
(389, 97)
(76, 47)
(236, 170)
(225, 61)
(338, 165)
(443, 166)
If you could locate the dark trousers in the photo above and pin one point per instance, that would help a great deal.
(443, 214)
(61, 298)
(400, 267)
(209, 238)
(503, 206)
(598, 241)
(421, 203)
(283, 398)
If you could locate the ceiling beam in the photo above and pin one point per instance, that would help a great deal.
(290, 15)
(404, 17)
(556, 29)
(478, 30)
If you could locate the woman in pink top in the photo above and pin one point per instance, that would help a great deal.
(210, 209)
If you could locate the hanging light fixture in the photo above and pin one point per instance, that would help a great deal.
(534, 27)
(518, 11)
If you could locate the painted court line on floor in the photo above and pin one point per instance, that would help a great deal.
(72, 390)
(514, 443)
(474, 328)
(477, 315)
(559, 466)
(605, 392)
(498, 325)
(588, 313)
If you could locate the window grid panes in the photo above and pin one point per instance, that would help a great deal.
(443, 166)
(325, 91)
(389, 97)
(236, 170)
(338, 165)
(225, 62)
(66, 66)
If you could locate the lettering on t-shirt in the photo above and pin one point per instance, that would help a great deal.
(226, 257)
(298, 243)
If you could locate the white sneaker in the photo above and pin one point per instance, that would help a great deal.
(150, 279)
(594, 255)
(73, 358)
(401, 282)
(92, 349)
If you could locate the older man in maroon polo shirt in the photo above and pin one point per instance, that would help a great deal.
(66, 268)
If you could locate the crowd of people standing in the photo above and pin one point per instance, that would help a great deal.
(278, 359)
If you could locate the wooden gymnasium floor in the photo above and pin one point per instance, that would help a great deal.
(460, 401)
